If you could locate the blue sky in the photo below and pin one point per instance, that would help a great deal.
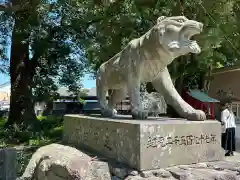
(88, 82)
(4, 78)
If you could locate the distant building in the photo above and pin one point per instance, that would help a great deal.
(4, 96)
(66, 104)
(225, 84)
(91, 105)
(5, 90)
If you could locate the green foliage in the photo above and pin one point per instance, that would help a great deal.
(48, 129)
(82, 101)
(5, 25)
(23, 157)
(26, 142)
(108, 27)
(60, 61)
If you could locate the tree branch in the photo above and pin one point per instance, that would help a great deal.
(34, 62)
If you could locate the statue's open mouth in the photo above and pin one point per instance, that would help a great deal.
(188, 32)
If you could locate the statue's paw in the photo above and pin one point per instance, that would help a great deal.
(140, 115)
(198, 115)
(109, 112)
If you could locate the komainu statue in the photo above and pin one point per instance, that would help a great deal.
(145, 59)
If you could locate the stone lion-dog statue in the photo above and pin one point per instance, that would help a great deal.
(145, 59)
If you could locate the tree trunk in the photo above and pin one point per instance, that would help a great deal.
(207, 79)
(21, 72)
(21, 103)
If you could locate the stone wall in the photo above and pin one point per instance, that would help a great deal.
(7, 164)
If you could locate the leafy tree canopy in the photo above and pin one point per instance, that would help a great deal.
(44, 53)
(115, 23)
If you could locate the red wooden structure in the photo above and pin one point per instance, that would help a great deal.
(200, 100)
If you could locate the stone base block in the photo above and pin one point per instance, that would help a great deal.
(146, 144)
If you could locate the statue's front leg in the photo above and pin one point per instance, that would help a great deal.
(163, 84)
(135, 100)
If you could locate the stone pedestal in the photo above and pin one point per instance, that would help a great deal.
(8, 158)
(146, 144)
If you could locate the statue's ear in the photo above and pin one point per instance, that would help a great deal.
(161, 18)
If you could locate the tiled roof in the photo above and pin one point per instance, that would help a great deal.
(92, 92)
(63, 91)
(201, 96)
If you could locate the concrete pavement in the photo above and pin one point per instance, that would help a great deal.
(236, 157)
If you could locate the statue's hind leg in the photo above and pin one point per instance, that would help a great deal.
(163, 84)
(116, 96)
(102, 98)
